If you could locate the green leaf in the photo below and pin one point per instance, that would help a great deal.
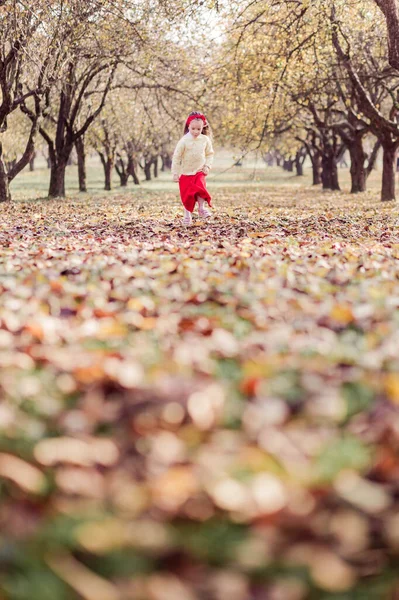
(287, 385)
(345, 452)
(358, 397)
(37, 583)
(214, 541)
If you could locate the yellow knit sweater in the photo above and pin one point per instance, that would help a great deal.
(192, 154)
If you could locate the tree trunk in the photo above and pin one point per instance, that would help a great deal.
(326, 174)
(390, 10)
(300, 158)
(131, 169)
(155, 161)
(268, 158)
(10, 164)
(335, 180)
(298, 165)
(5, 195)
(124, 179)
(109, 163)
(32, 163)
(329, 173)
(81, 155)
(166, 162)
(122, 172)
(316, 169)
(388, 171)
(357, 169)
(315, 158)
(147, 170)
(57, 179)
(288, 165)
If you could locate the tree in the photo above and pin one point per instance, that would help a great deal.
(81, 158)
(132, 39)
(382, 119)
(258, 80)
(30, 52)
(79, 95)
(314, 152)
(284, 52)
(390, 10)
(143, 110)
(105, 141)
(353, 130)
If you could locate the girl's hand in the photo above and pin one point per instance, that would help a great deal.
(205, 170)
(176, 178)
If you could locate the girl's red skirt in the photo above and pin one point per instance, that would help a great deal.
(193, 187)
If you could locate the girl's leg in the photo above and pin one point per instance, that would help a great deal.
(187, 219)
(202, 210)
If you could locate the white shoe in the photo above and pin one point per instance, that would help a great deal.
(187, 219)
(204, 212)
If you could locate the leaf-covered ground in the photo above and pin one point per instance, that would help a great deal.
(200, 413)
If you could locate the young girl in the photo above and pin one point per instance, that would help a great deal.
(192, 161)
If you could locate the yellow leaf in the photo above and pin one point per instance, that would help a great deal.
(23, 474)
(171, 489)
(391, 385)
(342, 313)
(87, 584)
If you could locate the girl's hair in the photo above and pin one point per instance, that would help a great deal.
(206, 130)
